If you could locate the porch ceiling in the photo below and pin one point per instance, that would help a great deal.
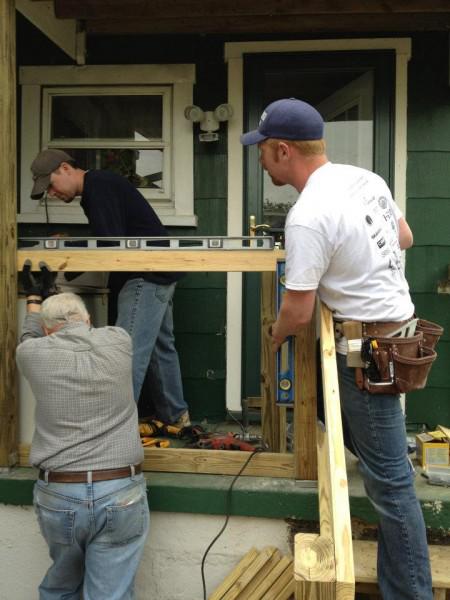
(255, 16)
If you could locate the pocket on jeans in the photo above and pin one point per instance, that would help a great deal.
(124, 523)
(164, 293)
(56, 525)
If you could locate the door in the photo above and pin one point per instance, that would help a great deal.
(354, 92)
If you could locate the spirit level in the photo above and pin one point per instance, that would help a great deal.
(285, 354)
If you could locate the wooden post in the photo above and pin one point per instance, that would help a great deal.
(305, 408)
(324, 563)
(270, 414)
(8, 238)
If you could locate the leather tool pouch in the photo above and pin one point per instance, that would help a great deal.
(431, 332)
(403, 364)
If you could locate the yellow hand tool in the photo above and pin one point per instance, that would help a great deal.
(148, 442)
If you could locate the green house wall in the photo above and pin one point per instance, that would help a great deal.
(200, 301)
(428, 211)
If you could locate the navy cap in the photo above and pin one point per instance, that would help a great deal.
(287, 119)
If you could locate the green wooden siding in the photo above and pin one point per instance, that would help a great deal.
(200, 298)
(428, 211)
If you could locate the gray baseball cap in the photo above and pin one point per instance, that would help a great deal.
(43, 166)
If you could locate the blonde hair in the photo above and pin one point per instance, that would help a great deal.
(63, 308)
(304, 147)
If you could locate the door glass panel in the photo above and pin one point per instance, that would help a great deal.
(345, 101)
(354, 91)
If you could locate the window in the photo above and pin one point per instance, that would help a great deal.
(136, 130)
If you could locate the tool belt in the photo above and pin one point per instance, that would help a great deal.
(392, 365)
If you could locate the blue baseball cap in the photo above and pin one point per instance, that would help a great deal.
(287, 119)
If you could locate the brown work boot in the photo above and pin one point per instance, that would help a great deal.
(183, 421)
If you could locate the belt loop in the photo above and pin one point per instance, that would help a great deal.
(89, 477)
(46, 476)
(133, 471)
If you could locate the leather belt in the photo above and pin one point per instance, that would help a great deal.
(373, 328)
(382, 328)
(87, 476)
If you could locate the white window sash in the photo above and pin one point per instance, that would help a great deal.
(174, 210)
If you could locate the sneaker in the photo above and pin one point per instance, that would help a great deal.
(183, 421)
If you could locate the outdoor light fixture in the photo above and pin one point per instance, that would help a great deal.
(209, 120)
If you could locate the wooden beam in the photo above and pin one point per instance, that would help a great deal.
(270, 413)
(305, 408)
(279, 570)
(8, 239)
(312, 24)
(153, 260)
(175, 9)
(42, 15)
(219, 462)
(246, 561)
(324, 563)
(213, 462)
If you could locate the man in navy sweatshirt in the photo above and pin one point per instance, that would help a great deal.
(114, 207)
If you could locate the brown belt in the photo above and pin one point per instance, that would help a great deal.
(374, 328)
(86, 476)
(382, 328)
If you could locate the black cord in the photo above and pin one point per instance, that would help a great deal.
(46, 214)
(227, 518)
(237, 421)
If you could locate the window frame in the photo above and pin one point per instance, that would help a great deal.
(164, 196)
(175, 208)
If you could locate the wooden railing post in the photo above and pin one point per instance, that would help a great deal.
(8, 243)
(324, 563)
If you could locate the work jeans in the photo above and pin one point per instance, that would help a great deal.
(96, 535)
(376, 426)
(145, 311)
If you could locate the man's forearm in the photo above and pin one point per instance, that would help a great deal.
(32, 326)
(295, 312)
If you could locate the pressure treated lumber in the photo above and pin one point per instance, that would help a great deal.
(270, 414)
(240, 585)
(153, 260)
(324, 563)
(259, 575)
(213, 462)
(8, 242)
(243, 564)
(285, 564)
(274, 418)
(305, 407)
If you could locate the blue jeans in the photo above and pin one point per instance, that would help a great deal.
(96, 535)
(145, 311)
(376, 426)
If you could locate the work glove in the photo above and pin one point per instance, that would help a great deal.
(39, 283)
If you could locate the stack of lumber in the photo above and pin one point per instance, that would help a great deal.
(260, 575)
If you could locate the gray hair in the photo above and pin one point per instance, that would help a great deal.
(63, 308)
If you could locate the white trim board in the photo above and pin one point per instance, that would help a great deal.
(181, 77)
(62, 32)
(234, 53)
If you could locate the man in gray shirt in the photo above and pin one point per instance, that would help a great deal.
(90, 497)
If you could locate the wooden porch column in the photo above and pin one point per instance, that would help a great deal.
(8, 238)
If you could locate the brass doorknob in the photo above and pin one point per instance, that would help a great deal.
(253, 227)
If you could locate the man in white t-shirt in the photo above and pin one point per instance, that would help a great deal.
(344, 237)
